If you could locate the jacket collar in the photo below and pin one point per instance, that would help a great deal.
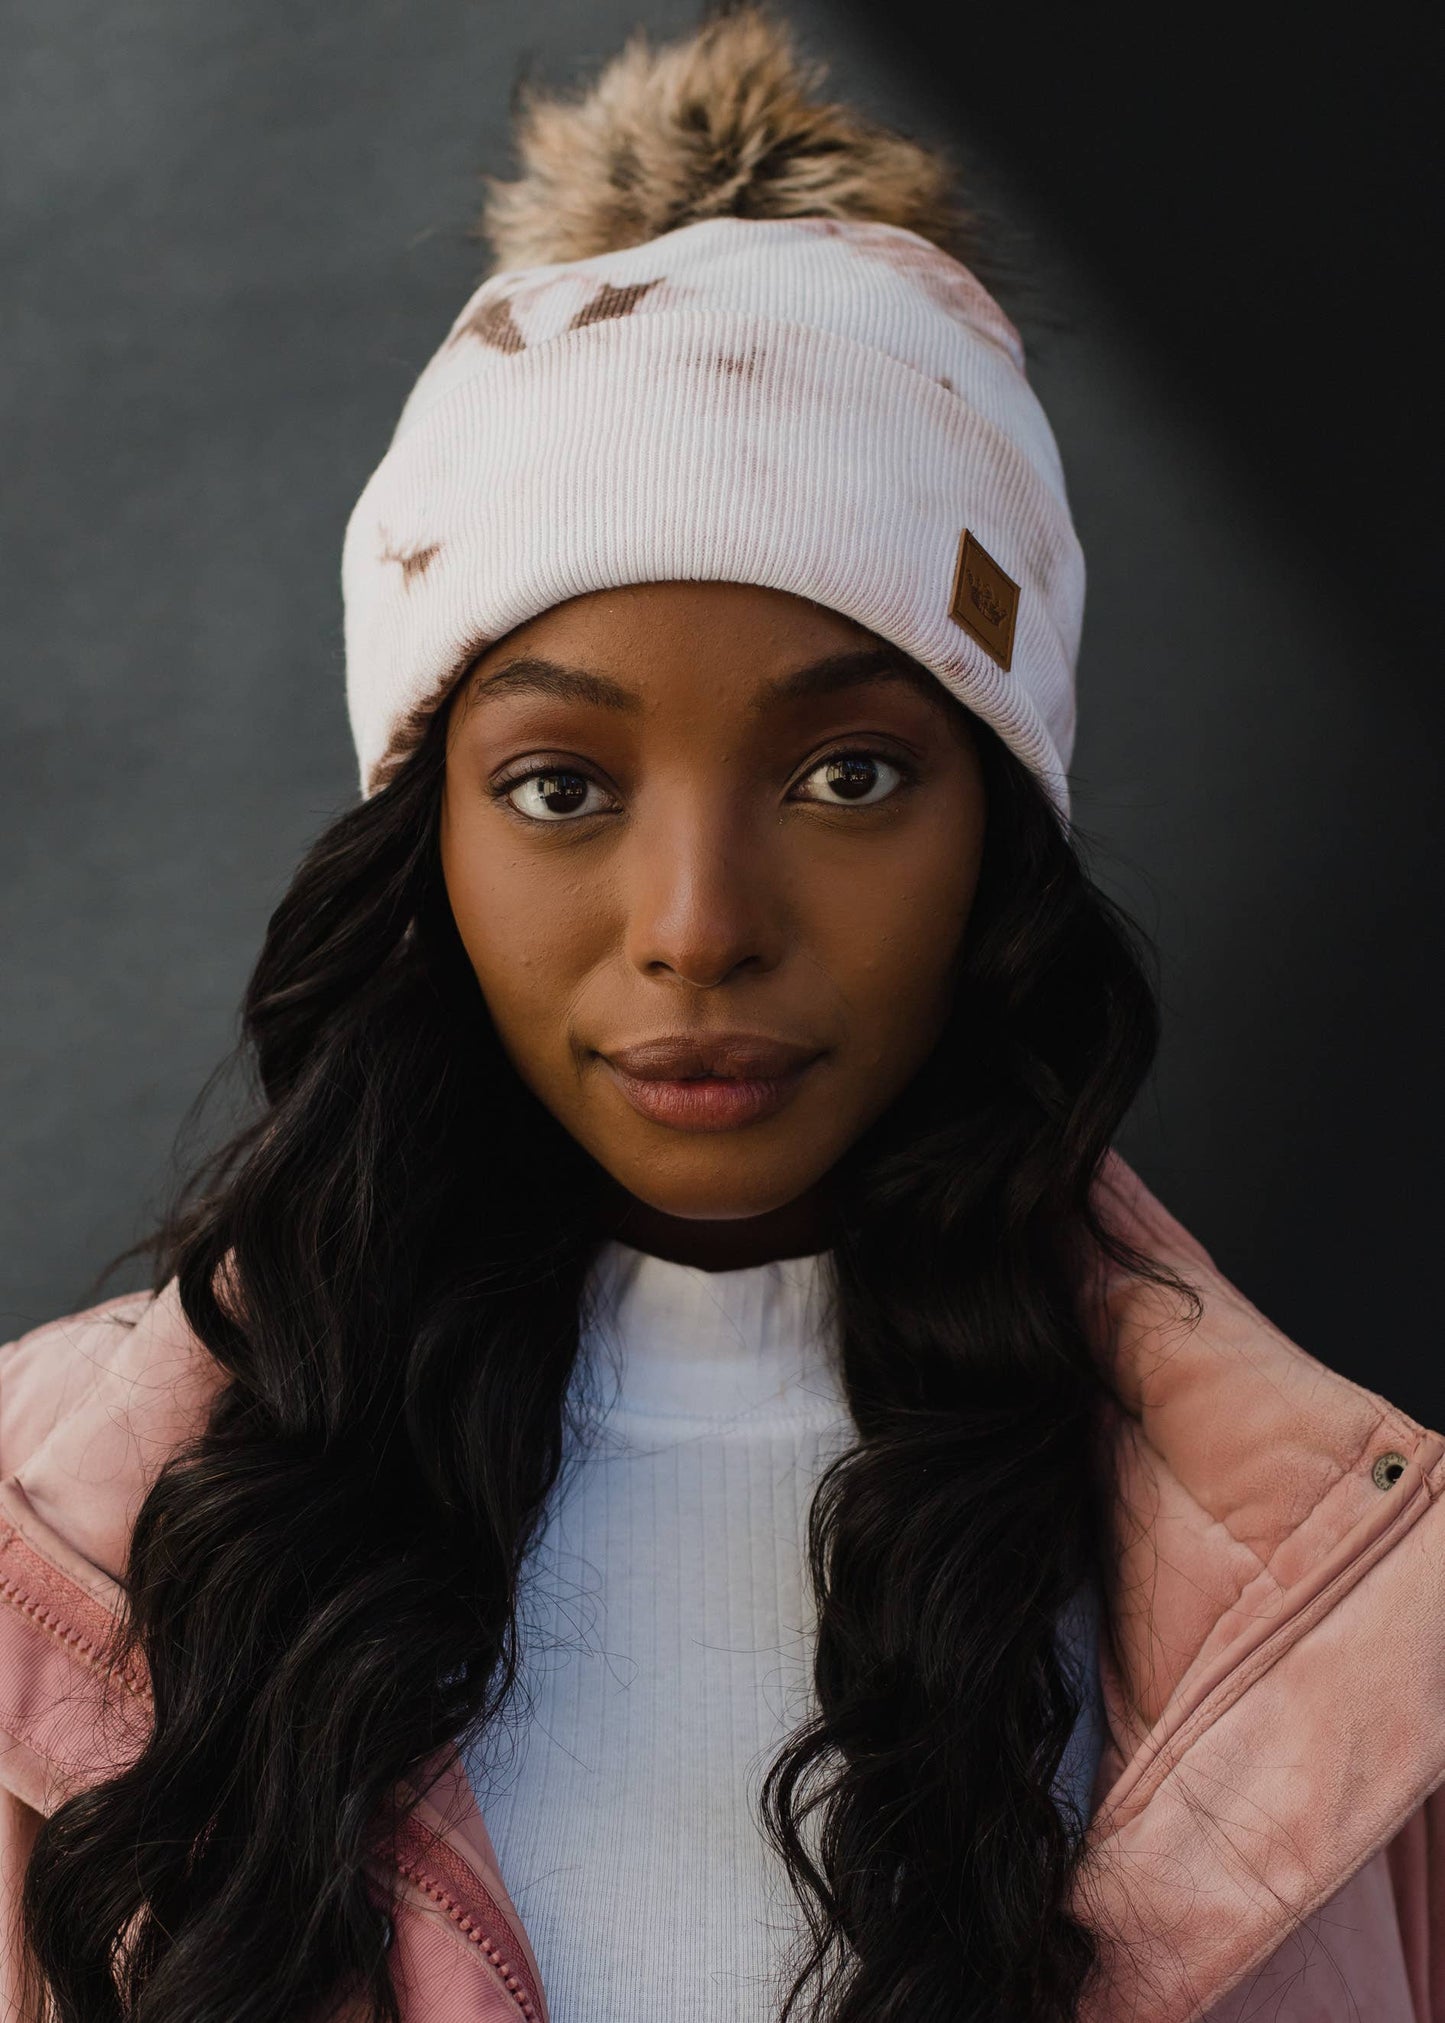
(1274, 1655)
(1273, 1663)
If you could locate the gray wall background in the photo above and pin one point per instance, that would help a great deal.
(232, 237)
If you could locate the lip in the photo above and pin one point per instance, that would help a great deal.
(710, 1081)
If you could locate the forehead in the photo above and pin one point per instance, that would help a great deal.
(636, 613)
(739, 644)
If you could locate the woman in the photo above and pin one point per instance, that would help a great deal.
(673, 1366)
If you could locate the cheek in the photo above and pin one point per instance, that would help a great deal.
(526, 932)
(895, 949)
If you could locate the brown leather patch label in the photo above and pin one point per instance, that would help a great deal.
(985, 600)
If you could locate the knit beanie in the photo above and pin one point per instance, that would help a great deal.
(725, 343)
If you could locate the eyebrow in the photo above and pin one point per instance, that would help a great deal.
(842, 671)
(530, 675)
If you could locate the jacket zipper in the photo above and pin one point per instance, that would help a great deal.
(60, 1608)
(435, 1868)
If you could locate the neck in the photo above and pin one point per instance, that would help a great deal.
(797, 1229)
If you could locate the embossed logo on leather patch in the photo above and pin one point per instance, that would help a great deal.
(985, 600)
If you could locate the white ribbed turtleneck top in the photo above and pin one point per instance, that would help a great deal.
(666, 1642)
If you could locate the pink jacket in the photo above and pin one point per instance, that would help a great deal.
(1273, 1671)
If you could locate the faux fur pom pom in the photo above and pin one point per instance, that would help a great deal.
(725, 123)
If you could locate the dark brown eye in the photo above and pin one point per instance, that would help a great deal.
(551, 797)
(854, 779)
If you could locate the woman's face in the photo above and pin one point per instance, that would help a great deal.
(711, 850)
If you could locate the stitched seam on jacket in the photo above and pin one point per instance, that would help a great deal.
(12, 1592)
(85, 1649)
(515, 1985)
(1139, 1734)
(20, 1594)
(1172, 1749)
(1265, 1568)
(1383, 1428)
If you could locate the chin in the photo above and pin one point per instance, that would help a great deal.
(708, 1201)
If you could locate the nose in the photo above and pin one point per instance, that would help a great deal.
(705, 898)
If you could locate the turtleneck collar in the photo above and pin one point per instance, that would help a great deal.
(674, 1341)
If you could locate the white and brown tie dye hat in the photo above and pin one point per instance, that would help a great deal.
(725, 342)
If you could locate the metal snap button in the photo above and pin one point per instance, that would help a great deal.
(1388, 1469)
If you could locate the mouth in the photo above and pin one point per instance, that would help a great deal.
(712, 1082)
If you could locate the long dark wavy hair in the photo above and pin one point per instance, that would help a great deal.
(388, 1263)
